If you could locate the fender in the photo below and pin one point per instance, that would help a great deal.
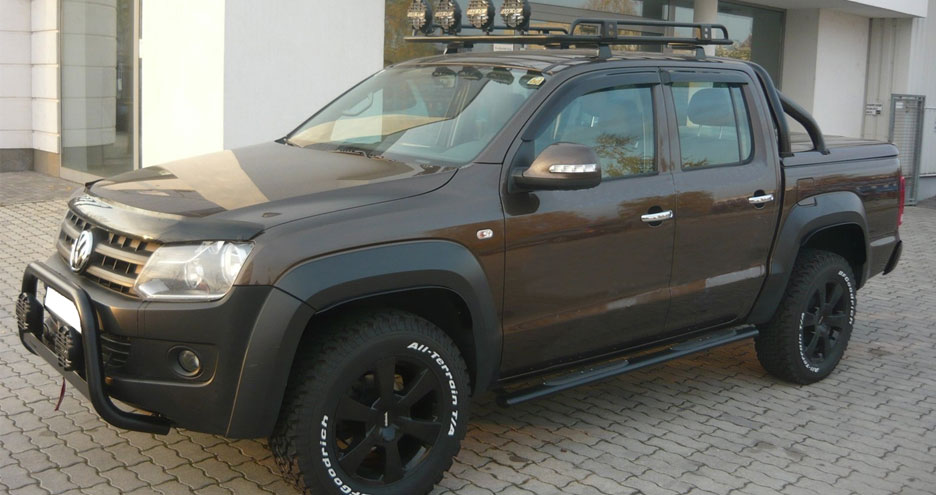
(322, 283)
(805, 220)
(326, 282)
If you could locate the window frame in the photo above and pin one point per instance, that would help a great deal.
(604, 80)
(727, 80)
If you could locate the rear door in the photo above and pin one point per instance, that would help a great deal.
(727, 183)
(584, 273)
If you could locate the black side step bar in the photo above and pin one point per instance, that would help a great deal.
(592, 375)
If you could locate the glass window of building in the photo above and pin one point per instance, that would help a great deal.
(757, 33)
(99, 86)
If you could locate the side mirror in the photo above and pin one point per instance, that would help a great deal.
(561, 167)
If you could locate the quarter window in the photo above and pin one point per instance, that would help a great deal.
(714, 127)
(616, 122)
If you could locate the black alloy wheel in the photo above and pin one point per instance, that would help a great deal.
(377, 403)
(389, 421)
(808, 335)
(824, 321)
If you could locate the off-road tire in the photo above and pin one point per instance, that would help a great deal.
(320, 378)
(783, 345)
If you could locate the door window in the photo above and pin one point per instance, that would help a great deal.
(616, 122)
(714, 127)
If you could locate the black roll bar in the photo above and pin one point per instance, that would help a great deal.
(807, 121)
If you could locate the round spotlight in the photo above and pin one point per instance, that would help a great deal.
(516, 14)
(419, 15)
(448, 16)
(481, 14)
(189, 362)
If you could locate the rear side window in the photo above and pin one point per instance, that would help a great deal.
(714, 126)
(616, 122)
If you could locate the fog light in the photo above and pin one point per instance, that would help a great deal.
(516, 14)
(448, 16)
(419, 15)
(189, 362)
(481, 14)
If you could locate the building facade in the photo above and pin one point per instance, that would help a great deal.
(90, 88)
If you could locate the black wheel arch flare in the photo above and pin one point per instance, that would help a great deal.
(830, 210)
(322, 283)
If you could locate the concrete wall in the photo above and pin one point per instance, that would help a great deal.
(29, 76)
(925, 73)
(46, 92)
(825, 65)
(182, 87)
(15, 75)
(888, 71)
(231, 73)
(842, 64)
(799, 55)
(901, 62)
(284, 60)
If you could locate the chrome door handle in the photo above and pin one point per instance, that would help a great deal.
(759, 200)
(657, 217)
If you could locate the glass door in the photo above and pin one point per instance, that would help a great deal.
(100, 87)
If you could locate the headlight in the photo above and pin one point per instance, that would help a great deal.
(192, 272)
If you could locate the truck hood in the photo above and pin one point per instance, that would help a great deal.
(236, 194)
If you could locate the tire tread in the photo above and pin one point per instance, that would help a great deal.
(776, 339)
(313, 363)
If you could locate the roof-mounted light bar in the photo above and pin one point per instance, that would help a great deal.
(448, 16)
(607, 33)
(516, 14)
(419, 15)
(481, 14)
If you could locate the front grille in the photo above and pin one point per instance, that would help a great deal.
(116, 260)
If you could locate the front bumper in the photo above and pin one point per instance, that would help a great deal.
(92, 384)
(237, 391)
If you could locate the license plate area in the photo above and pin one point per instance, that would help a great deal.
(61, 331)
(62, 308)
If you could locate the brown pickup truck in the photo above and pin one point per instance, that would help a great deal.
(523, 222)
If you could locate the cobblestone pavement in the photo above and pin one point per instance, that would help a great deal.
(715, 423)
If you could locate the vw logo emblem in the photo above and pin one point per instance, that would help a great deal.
(81, 251)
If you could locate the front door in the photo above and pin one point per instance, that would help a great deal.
(727, 185)
(585, 274)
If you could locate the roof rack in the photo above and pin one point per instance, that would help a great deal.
(608, 34)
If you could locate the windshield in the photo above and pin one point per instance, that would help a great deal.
(427, 115)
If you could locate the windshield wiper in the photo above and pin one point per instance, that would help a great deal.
(354, 150)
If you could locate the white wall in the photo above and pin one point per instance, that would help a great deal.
(15, 74)
(925, 72)
(825, 58)
(799, 55)
(888, 71)
(182, 84)
(910, 7)
(842, 64)
(284, 60)
(46, 131)
(220, 74)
